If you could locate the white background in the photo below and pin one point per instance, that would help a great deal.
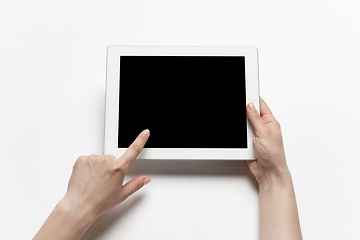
(52, 98)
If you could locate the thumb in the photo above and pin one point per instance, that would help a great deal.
(255, 119)
(132, 186)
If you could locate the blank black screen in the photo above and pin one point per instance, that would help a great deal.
(185, 101)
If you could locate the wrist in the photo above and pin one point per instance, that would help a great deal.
(77, 215)
(280, 177)
(66, 221)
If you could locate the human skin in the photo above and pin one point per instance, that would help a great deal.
(95, 187)
(279, 218)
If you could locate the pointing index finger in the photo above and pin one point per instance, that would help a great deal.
(135, 148)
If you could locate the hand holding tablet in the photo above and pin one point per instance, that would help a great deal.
(196, 100)
(199, 92)
(268, 144)
(94, 185)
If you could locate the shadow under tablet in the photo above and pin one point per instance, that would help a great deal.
(185, 101)
(190, 167)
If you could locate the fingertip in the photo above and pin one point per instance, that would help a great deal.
(133, 186)
(136, 147)
(147, 180)
(146, 132)
(252, 113)
(251, 107)
(255, 118)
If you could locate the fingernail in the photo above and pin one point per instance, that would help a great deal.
(146, 131)
(252, 107)
(146, 181)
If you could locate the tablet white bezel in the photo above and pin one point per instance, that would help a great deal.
(112, 100)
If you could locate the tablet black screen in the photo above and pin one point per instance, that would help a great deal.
(185, 101)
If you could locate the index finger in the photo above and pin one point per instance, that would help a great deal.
(135, 148)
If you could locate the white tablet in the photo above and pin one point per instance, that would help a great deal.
(192, 99)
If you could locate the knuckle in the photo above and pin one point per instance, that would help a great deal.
(136, 148)
(121, 168)
(138, 186)
(92, 158)
(105, 159)
(110, 156)
(255, 114)
(81, 160)
(109, 162)
(255, 118)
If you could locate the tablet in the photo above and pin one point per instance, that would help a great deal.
(192, 99)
